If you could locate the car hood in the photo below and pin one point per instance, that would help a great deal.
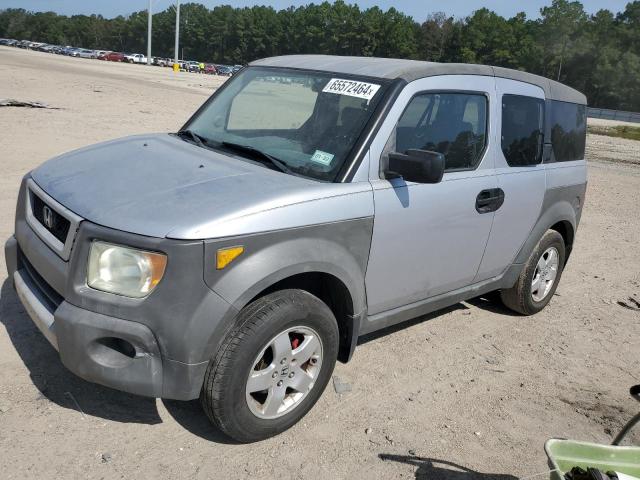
(161, 186)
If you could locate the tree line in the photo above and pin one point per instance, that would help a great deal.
(598, 54)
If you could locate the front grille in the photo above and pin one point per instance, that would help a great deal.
(55, 223)
(53, 298)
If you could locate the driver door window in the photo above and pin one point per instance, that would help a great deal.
(454, 124)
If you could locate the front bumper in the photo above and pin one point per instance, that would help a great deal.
(117, 353)
(158, 346)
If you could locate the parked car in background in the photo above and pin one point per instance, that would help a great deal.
(86, 53)
(192, 66)
(102, 54)
(115, 57)
(224, 70)
(135, 58)
(210, 69)
(236, 68)
(9, 42)
(82, 53)
(161, 61)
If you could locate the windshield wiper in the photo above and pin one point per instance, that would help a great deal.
(193, 136)
(258, 155)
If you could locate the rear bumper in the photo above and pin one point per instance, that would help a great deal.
(117, 353)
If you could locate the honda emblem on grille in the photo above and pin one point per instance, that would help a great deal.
(47, 217)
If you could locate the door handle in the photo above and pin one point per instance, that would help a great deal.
(489, 200)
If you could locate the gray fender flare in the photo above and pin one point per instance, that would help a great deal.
(271, 258)
(560, 211)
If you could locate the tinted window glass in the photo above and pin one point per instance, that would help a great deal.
(568, 130)
(453, 124)
(522, 127)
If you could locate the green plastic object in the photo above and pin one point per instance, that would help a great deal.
(566, 454)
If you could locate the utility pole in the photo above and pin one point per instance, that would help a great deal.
(149, 21)
(177, 30)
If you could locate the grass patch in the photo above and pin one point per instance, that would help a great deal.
(620, 131)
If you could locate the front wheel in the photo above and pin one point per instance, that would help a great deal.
(273, 367)
(539, 278)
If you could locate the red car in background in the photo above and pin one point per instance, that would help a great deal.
(114, 57)
(210, 69)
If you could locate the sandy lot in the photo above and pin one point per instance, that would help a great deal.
(469, 389)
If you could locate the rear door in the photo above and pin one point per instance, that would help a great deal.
(519, 170)
(429, 239)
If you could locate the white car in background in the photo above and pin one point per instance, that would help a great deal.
(135, 58)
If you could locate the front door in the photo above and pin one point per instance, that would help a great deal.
(429, 239)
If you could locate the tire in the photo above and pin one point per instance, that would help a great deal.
(525, 297)
(253, 347)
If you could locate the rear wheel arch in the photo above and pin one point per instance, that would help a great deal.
(560, 217)
(565, 228)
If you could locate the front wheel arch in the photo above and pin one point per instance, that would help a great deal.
(335, 294)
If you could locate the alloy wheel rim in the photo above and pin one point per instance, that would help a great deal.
(284, 372)
(545, 274)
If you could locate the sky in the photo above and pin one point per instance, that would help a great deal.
(418, 9)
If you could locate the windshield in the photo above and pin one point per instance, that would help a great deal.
(307, 121)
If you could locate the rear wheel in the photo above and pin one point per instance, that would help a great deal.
(539, 278)
(273, 367)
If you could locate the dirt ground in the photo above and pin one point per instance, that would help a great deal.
(469, 389)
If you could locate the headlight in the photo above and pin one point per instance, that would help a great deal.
(123, 270)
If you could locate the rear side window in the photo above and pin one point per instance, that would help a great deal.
(522, 130)
(454, 124)
(568, 130)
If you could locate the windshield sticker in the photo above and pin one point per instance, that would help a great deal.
(323, 158)
(352, 88)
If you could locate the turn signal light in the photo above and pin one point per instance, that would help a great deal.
(225, 256)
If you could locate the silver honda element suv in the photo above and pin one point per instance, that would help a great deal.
(311, 200)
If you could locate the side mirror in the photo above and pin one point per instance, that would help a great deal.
(420, 166)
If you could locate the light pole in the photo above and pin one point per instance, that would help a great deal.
(149, 21)
(177, 30)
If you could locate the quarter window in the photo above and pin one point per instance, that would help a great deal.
(522, 130)
(454, 124)
(568, 130)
